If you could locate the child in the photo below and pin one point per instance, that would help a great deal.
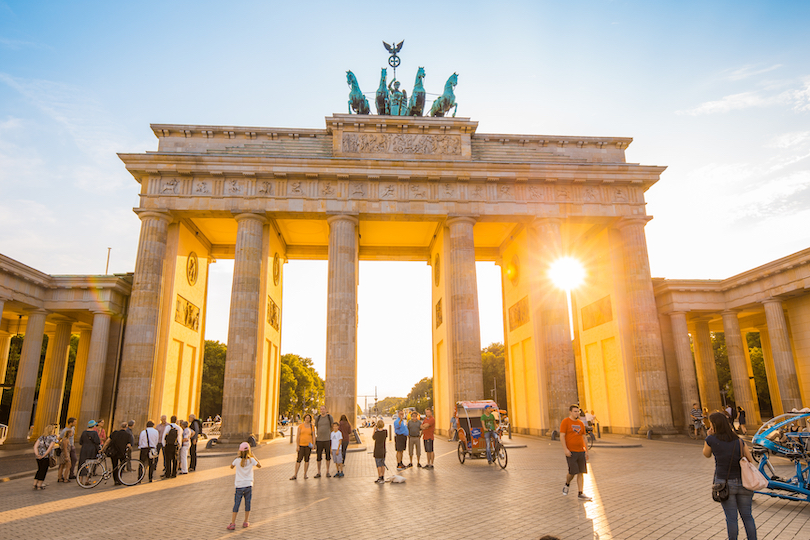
(64, 457)
(243, 482)
(337, 454)
(379, 450)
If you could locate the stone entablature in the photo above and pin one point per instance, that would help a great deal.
(783, 278)
(26, 287)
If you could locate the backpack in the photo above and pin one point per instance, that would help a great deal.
(171, 436)
(318, 419)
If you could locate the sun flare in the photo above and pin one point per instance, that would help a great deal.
(567, 273)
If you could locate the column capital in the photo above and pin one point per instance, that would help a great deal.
(239, 216)
(460, 219)
(146, 213)
(677, 312)
(342, 217)
(771, 300)
(101, 311)
(628, 221)
(729, 312)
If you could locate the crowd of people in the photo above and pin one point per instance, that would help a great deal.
(175, 442)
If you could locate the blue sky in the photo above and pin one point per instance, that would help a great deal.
(717, 91)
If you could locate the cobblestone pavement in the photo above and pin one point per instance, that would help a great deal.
(661, 490)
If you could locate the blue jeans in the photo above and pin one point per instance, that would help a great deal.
(739, 500)
(489, 436)
(245, 492)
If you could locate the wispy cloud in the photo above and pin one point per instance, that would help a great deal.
(796, 98)
(747, 71)
(17, 44)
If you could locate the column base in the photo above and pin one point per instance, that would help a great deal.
(658, 431)
(9, 443)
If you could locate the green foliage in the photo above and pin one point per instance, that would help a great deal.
(213, 378)
(74, 346)
(389, 404)
(420, 397)
(721, 361)
(761, 380)
(11, 374)
(757, 365)
(301, 388)
(494, 365)
(359, 411)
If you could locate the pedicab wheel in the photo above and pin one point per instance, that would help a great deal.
(502, 457)
(462, 452)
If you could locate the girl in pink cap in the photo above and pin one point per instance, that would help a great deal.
(243, 482)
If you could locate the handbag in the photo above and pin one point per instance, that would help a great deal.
(752, 479)
(153, 452)
(720, 492)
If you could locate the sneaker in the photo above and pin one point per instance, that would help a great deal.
(419, 465)
(401, 466)
(379, 481)
(231, 527)
(565, 489)
(410, 465)
(317, 475)
(583, 497)
(328, 475)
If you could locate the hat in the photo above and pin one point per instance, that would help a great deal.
(244, 446)
(91, 423)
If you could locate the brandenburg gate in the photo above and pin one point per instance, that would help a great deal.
(406, 188)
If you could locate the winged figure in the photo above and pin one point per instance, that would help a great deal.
(395, 48)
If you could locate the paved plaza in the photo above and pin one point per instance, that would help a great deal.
(658, 490)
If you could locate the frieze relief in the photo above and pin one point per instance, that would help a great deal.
(187, 314)
(390, 143)
(273, 314)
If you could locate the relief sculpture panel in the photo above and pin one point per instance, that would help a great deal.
(187, 314)
(273, 314)
(390, 143)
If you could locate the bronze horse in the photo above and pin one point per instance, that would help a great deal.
(447, 100)
(357, 100)
(383, 106)
(417, 104)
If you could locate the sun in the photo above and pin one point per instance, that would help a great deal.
(567, 273)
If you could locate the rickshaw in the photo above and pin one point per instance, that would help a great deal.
(785, 436)
(471, 440)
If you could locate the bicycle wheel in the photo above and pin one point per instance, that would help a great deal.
(591, 440)
(462, 452)
(89, 474)
(691, 432)
(501, 456)
(130, 478)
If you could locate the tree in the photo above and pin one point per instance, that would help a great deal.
(757, 365)
(15, 350)
(494, 368)
(213, 378)
(301, 388)
(389, 404)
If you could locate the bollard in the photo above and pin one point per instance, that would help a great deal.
(390, 437)
(598, 431)
(510, 432)
(292, 428)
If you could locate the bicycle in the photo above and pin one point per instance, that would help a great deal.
(589, 437)
(697, 430)
(93, 471)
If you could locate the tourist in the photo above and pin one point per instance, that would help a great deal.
(428, 427)
(90, 443)
(70, 432)
(400, 437)
(43, 447)
(196, 427)
(148, 442)
(304, 441)
(64, 456)
(346, 430)
(161, 429)
(727, 449)
(336, 440)
(488, 425)
(741, 419)
(572, 435)
(414, 436)
(172, 437)
(130, 425)
(323, 425)
(102, 433)
(116, 447)
(453, 428)
(380, 435)
(184, 447)
(243, 481)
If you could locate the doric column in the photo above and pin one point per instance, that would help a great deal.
(5, 344)
(647, 352)
(770, 371)
(464, 322)
(90, 405)
(26, 383)
(79, 371)
(686, 364)
(52, 385)
(706, 367)
(552, 312)
(756, 415)
(341, 317)
(240, 365)
(782, 353)
(142, 333)
(736, 362)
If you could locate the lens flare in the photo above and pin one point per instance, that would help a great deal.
(566, 273)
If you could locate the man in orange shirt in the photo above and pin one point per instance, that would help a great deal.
(572, 435)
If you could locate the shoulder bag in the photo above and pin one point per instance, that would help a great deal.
(153, 452)
(720, 490)
(752, 479)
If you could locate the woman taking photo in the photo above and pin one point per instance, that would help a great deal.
(727, 449)
(305, 441)
(42, 451)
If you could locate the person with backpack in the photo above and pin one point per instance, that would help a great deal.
(196, 426)
(171, 443)
(323, 442)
